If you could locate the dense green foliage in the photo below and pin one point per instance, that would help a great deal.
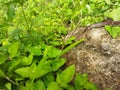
(32, 40)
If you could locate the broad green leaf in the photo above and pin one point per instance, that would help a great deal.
(56, 64)
(13, 64)
(39, 70)
(2, 74)
(19, 1)
(90, 86)
(114, 14)
(28, 60)
(48, 78)
(66, 76)
(116, 29)
(5, 42)
(2, 58)
(80, 81)
(8, 86)
(13, 48)
(113, 31)
(56, 43)
(71, 87)
(11, 11)
(54, 86)
(53, 52)
(28, 85)
(22, 88)
(39, 85)
(26, 71)
(35, 50)
(46, 68)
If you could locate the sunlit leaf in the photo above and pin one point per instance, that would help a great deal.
(2, 58)
(35, 50)
(66, 76)
(48, 78)
(41, 69)
(39, 85)
(11, 11)
(2, 74)
(80, 81)
(54, 86)
(53, 52)
(13, 48)
(90, 86)
(28, 60)
(113, 31)
(56, 64)
(8, 86)
(71, 87)
(26, 71)
(114, 14)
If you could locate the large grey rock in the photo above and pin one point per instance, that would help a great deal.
(98, 56)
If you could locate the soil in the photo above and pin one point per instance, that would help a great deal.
(98, 56)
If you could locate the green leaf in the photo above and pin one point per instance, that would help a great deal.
(46, 68)
(2, 58)
(114, 14)
(28, 60)
(56, 64)
(5, 42)
(13, 65)
(13, 48)
(53, 52)
(56, 43)
(71, 87)
(26, 71)
(19, 1)
(66, 76)
(70, 47)
(54, 86)
(2, 74)
(113, 31)
(108, 2)
(39, 70)
(70, 40)
(39, 85)
(80, 81)
(8, 86)
(90, 86)
(35, 50)
(11, 11)
(48, 78)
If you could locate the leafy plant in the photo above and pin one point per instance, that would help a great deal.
(32, 41)
(81, 82)
(113, 31)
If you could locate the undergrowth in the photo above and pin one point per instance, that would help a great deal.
(32, 40)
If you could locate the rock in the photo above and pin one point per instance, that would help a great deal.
(98, 56)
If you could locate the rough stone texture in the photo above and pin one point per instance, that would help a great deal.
(98, 56)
